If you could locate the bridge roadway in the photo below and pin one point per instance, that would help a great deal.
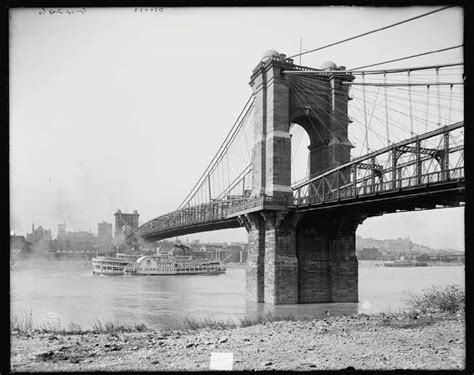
(398, 187)
(225, 215)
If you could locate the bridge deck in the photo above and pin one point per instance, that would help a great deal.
(407, 185)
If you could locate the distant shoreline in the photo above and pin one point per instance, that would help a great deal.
(82, 257)
(380, 263)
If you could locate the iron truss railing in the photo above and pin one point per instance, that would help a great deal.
(434, 157)
(194, 215)
(207, 213)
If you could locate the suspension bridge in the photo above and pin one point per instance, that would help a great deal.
(380, 141)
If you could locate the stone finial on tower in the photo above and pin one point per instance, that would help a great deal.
(328, 65)
(269, 53)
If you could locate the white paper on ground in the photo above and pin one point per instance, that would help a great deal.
(221, 361)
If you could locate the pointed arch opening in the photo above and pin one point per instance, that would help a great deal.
(300, 158)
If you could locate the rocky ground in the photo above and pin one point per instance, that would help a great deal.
(360, 341)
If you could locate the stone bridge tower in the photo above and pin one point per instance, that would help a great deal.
(298, 257)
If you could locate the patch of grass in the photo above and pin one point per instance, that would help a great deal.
(268, 318)
(405, 319)
(246, 321)
(415, 323)
(23, 323)
(444, 299)
(192, 324)
(74, 328)
(140, 327)
(116, 327)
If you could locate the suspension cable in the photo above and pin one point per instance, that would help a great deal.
(372, 31)
(231, 132)
(408, 57)
(377, 71)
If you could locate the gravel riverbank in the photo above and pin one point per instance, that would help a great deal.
(361, 341)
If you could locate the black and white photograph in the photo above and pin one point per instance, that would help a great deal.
(260, 188)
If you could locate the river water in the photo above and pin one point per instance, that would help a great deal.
(69, 289)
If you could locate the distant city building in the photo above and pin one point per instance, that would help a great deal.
(77, 241)
(19, 245)
(61, 231)
(104, 234)
(40, 238)
(230, 254)
(124, 219)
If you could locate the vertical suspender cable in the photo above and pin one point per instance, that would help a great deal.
(427, 106)
(386, 107)
(450, 103)
(438, 95)
(209, 187)
(373, 108)
(365, 114)
(409, 99)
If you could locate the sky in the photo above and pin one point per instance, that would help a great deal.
(113, 108)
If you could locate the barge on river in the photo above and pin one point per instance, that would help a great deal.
(405, 263)
(174, 265)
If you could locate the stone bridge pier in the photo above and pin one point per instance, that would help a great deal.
(301, 258)
(297, 257)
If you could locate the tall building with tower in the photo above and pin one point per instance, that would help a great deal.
(104, 233)
(124, 219)
(40, 238)
(61, 231)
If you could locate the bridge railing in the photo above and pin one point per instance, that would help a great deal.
(193, 215)
(221, 210)
(433, 157)
(349, 191)
(206, 213)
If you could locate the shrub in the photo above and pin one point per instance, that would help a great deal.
(445, 299)
(51, 323)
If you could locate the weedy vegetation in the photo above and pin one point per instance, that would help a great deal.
(438, 299)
